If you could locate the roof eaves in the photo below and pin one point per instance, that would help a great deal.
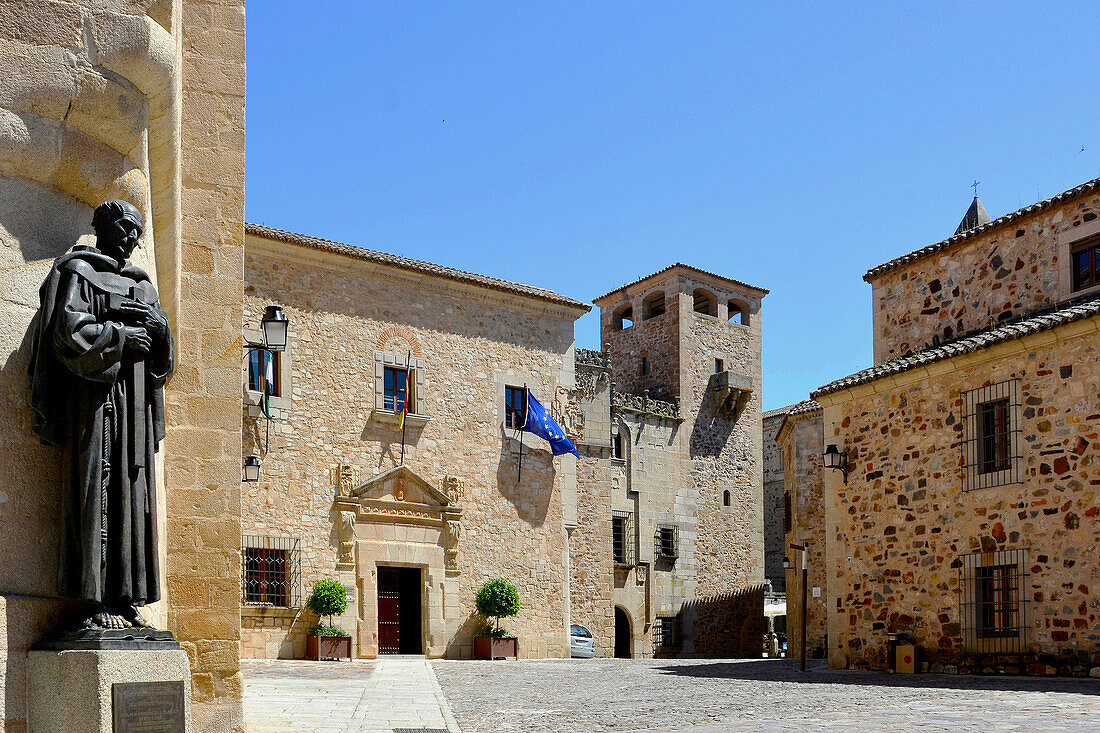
(428, 268)
(1053, 317)
(1086, 187)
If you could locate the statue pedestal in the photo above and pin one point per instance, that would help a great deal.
(94, 691)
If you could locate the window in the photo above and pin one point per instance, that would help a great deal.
(993, 601)
(624, 318)
(726, 497)
(992, 445)
(394, 390)
(704, 302)
(666, 632)
(617, 445)
(257, 366)
(738, 312)
(1085, 261)
(664, 542)
(622, 537)
(643, 368)
(653, 306)
(515, 407)
(719, 366)
(271, 571)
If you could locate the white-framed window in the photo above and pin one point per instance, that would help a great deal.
(992, 445)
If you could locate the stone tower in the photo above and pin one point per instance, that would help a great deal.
(686, 335)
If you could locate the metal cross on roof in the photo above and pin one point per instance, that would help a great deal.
(974, 186)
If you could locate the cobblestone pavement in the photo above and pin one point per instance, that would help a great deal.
(284, 696)
(716, 696)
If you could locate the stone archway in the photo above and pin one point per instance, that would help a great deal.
(623, 635)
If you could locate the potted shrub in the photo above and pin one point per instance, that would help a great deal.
(495, 600)
(327, 641)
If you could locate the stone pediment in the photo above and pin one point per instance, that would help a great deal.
(400, 484)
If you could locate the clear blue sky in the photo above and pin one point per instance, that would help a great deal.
(578, 146)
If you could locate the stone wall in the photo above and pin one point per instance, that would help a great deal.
(203, 448)
(900, 526)
(591, 572)
(471, 342)
(773, 501)
(113, 99)
(800, 437)
(656, 339)
(986, 279)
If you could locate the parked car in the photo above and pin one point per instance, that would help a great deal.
(581, 643)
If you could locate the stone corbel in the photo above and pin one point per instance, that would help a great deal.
(731, 392)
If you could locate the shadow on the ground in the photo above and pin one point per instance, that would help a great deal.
(782, 670)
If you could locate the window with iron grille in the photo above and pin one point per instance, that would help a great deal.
(271, 571)
(993, 601)
(664, 542)
(992, 444)
(622, 537)
(666, 632)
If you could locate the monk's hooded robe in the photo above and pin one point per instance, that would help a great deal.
(105, 403)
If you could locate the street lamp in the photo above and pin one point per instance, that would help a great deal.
(786, 563)
(834, 459)
(251, 469)
(274, 325)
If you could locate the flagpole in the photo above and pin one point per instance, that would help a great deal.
(405, 406)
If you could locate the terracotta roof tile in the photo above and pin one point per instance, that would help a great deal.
(1053, 317)
(737, 283)
(404, 263)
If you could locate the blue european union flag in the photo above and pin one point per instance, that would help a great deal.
(541, 424)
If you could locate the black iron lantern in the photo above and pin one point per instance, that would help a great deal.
(786, 563)
(251, 469)
(274, 325)
(833, 458)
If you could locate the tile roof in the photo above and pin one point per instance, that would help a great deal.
(796, 409)
(1035, 322)
(738, 283)
(404, 263)
(963, 236)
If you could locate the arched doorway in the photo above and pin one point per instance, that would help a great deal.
(622, 634)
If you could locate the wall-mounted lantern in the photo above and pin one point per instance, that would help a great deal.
(835, 459)
(251, 469)
(786, 563)
(274, 325)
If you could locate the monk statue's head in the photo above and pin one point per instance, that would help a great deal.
(117, 227)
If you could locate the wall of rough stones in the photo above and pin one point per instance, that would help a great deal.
(773, 501)
(657, 339)
(590, 553)
(472, 341)
(986, 279)
(800, 438)
(904, 518)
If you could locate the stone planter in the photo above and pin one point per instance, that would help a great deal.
(328, 647)
(492, 647)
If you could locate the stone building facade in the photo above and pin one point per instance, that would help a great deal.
(970, 496)
(774, 529)
(804, 524)
(337, 500)
(143, 101)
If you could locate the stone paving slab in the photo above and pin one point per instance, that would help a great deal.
(281, 696)
(727, 696)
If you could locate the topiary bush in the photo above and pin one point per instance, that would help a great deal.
(328, 598)
(497, 599)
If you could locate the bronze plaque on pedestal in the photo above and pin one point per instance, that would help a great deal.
(148, 707)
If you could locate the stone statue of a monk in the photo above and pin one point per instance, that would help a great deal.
(101, 355)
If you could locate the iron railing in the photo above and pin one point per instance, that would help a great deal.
(622, 538)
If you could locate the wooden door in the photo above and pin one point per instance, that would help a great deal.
(389, 610)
